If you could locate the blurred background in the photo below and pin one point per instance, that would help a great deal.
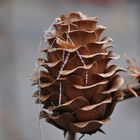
(21, 26)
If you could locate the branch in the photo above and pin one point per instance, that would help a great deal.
(71, 136)
(128, 93)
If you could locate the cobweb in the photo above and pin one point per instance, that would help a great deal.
(65, 59)
(41, 45)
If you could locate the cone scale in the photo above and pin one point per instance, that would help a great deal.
(79, 88)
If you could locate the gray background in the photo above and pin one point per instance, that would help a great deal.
(21, 26)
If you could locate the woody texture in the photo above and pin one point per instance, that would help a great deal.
(78, 86)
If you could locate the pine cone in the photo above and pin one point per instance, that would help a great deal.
(78, 87)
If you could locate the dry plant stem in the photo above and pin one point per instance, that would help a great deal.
(71, 136)
(128, 95)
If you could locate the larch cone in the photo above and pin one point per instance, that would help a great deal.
(78, 88)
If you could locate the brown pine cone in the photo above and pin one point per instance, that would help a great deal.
(78, 87)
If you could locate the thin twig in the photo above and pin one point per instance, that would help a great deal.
(71, 136)
(129, 95)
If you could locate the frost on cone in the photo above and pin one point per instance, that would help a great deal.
(78, 87)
